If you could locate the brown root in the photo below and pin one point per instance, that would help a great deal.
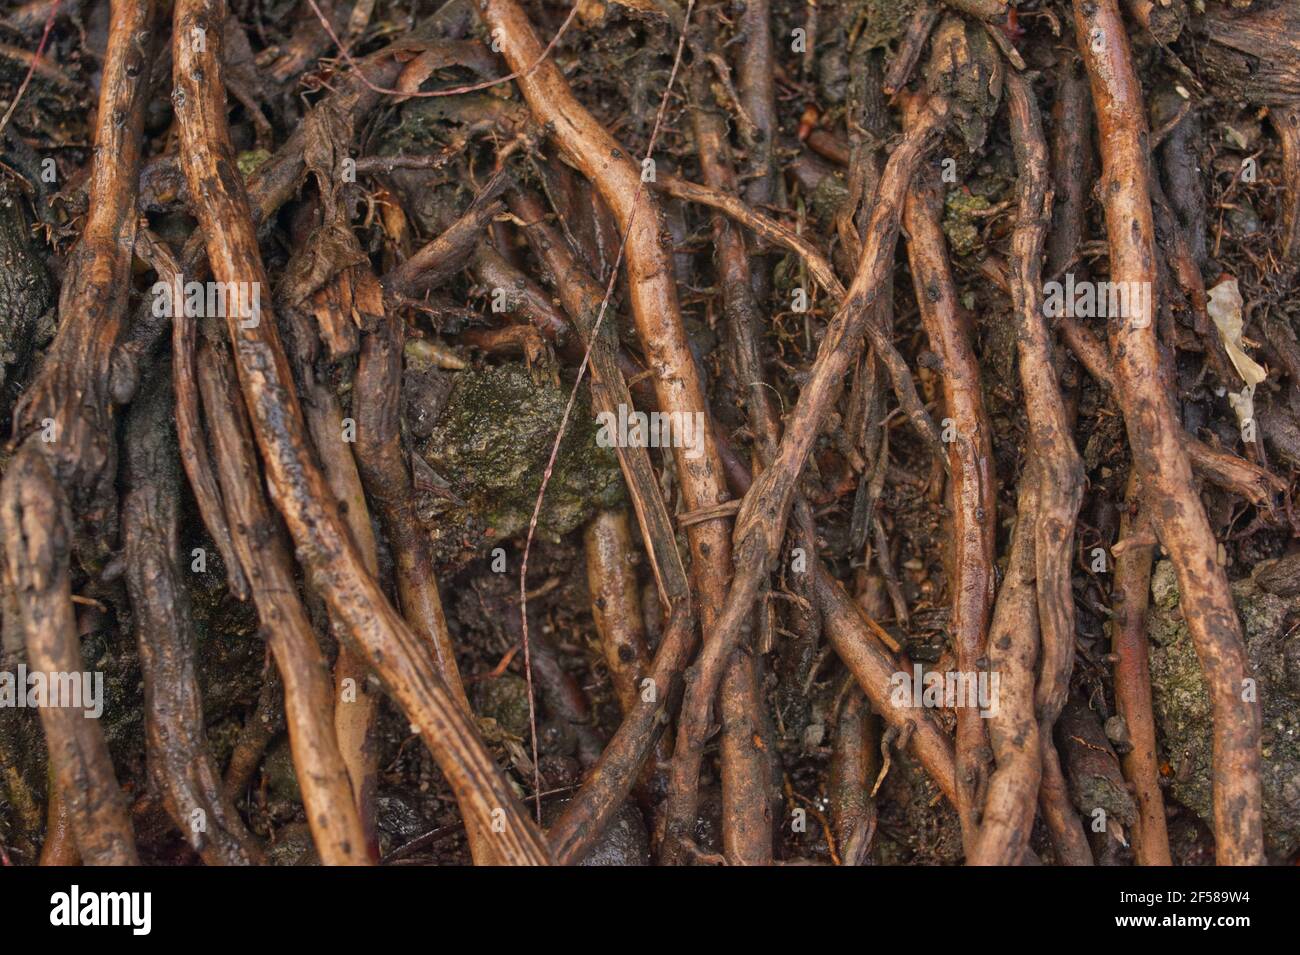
(1156, 438)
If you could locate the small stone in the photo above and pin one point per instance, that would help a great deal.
(1118, 733)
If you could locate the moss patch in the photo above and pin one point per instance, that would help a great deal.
(960, 222)
(490, 446)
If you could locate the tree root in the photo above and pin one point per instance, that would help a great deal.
(1130, 595)
(177, 742)
(1059, 468)
(1155, 436)
(323, 542)
(973, 486)
(747, 690)
(69, 406)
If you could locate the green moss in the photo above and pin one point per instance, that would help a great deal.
(960, 222)
(1095, 791)
(250, 161)
(491, 444)
(293, 846)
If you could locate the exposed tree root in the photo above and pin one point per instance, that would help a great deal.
(384, 471)
(973, 490)
(837, 585)
(177, 742)
(1128, 641)
(1059, 469)
(38, 537)
(331, 812)
(581, 297)
(760, 524)
(873, 668)
(1176, 514)
(298, 486)
(1223, 468)
(1014, 647)
(67, 453)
